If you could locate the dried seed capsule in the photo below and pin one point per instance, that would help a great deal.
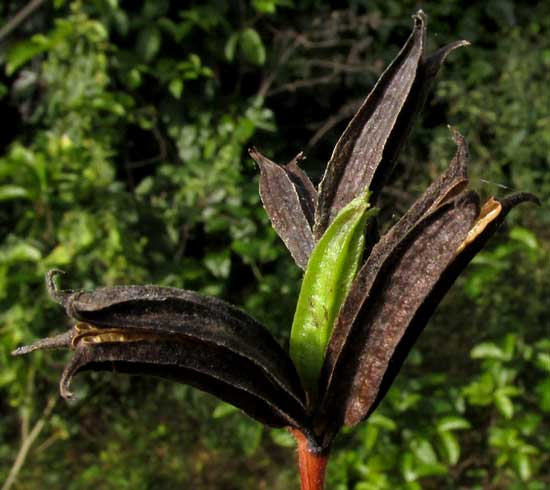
(179, 335)
(422, 266)
(330, 271)
(449, 184)
(289, 198)
(492, 214)
(364, 155)
(405, 278)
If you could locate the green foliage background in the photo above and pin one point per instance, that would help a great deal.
(123, 160)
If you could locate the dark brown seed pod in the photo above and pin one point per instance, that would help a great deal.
(183, 336)
(364, 155)
(449, 184)
(381, 318)
(492, 214)
(289, 198)
(384, 325)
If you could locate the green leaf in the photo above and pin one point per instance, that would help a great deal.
(542, 361)
(451, 445)
(542, 389)
(487, 350)
(7, 376)
(265, 6)
(282, 437)
(19, 252)
(8, 192)
(509, 345)
(219, 263)
(504, 405)
(223, 410)
(522, 464)
(250, 436)
(22, 53)
(382, 421)
(231, 46)
(424, 451)
(369, 437)
(330, 271)
(176, 87)
(252, 46)
(524, 236)
(432, 469)
(60, 256)
(407, 467)
(148, 43)
(413, 485)
(452, 423)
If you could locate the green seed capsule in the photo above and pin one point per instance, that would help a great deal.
(330, 271)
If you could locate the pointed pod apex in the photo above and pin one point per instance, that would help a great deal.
(442, 53)
(420, 17)
(70, 370)
(511, 201)
(420, 25)
(262, 161)
(462, 155)
(25, 349)
(435, 60)
(253, 152)
(61, 341)
(457, 136)
(58, 295)
(64, 391)
(300, 157)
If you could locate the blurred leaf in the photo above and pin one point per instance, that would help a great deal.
(424, 451)
(176, 87)
(22, 53)
(542, 361)
(524, 236)
(504, 405)
(487, 350)
(252, 46)
(231, 46)
(8, 192)
(407, 467)
(523, 465)
(282, 437)
(451, 423)
(148, 43)
(219, 263)
(542, 389)
(451, 445)
(250, 436)
(223, 410)
(382, 421)
(265, 6)
(19, 251)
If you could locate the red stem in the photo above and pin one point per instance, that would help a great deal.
(312, 465)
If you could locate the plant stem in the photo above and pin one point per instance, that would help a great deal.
(312, 465)
(27, 443)
(21, 16)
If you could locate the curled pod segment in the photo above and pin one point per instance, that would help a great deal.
(183, 336)
(364, 155)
